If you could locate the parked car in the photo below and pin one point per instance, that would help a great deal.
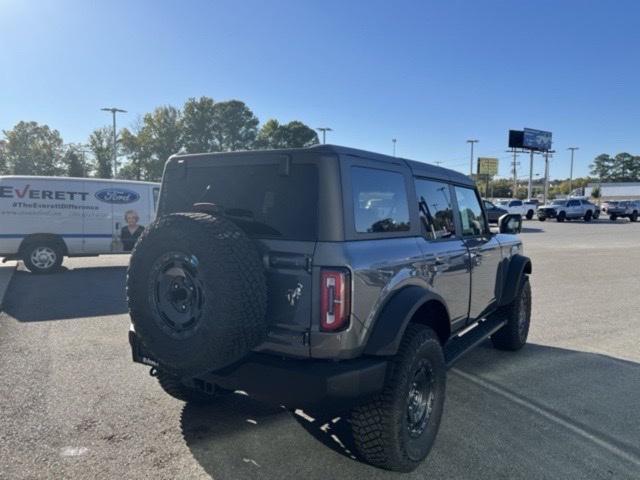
(571, 209)
(607, 205)
(43, 219)
(493, 212)
(624, 209)
(518, 207)
(325, 275)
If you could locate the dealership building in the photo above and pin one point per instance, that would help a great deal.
(615, 191)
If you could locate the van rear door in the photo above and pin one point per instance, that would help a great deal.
(274, 199)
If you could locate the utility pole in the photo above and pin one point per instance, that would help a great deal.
(546, 174)
(573, 149)
(471, 157)
(394, 146)
(514, 171)
(530, 188)
(324, 131)
(113, 111)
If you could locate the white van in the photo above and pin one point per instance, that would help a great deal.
(43, 219)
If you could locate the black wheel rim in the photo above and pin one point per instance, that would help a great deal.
(176, 294)
(420, 399)
(523, 317)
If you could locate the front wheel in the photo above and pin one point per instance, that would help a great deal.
(517, 315)
(529, 214)
(42, 257)
(588, 216)
(613, 218)
(396, 429)
(562, 216)
(634, 217)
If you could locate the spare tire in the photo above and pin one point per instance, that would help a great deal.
(197, 292)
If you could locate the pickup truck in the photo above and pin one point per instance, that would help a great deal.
(518, 207)
(571, 209)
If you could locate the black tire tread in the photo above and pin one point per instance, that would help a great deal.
(507, 338)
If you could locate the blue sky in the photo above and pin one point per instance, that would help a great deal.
(429, 73)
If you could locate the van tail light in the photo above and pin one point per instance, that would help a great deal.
(335, 299)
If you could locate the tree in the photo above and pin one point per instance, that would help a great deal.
(602, 167)
(199, 124)
(235, 126)
(3, 157)
(74, 164)
(157, 138)
(33, 149)
(101, 144)
(291, 135)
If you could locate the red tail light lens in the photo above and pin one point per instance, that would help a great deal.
(335, 300)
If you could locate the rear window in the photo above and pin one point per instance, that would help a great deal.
(259, 198)
(379, 201)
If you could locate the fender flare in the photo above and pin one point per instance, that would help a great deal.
(519, 265)
(395, 315)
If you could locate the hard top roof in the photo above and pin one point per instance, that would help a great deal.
(418, 168)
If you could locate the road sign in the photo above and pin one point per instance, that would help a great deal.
(536, 139)
(487, 166)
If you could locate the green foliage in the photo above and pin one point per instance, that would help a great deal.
(294, 134)
(595, 193)
(101, 144)
(624, 167)
(74, 164)
(236, 126)
(199, 124)
(32, 149)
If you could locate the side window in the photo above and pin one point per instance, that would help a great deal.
(379, 201)
(471, 216)
(516, 203)
(436, 210)
(572, 203)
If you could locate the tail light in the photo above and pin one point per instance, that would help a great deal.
(335, 299)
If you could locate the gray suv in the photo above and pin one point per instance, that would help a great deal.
(324, 276)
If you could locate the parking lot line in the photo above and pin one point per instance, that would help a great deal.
(552, 417)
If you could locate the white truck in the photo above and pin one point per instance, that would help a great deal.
(43, 219)
(520, 207)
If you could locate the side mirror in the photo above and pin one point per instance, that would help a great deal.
(510, 223)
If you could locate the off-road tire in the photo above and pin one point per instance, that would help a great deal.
(174, 387)
(588, 216)
(381, 427)
(529, 215)
(52, 248)
(226, 299)
(513, 335)
(562, 216)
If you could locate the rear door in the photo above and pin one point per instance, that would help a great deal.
(484, 251)
(274, 199)
(445, 262)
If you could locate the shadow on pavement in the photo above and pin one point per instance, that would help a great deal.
(531, 230)
(77, 293)
(540, 413)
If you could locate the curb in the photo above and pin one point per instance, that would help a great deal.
(6, 272)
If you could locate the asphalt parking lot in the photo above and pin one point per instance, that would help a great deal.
(73, 405)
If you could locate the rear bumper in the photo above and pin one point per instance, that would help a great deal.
(288, 381)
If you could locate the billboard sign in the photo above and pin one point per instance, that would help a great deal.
(488, 166)
(515, 138)
(536, 139)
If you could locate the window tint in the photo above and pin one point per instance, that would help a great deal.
(262, 201)
(436, 210)
(516, 203)
(379, 201)
(471, 216)
(573, 203)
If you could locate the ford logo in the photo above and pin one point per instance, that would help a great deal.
(117, 195)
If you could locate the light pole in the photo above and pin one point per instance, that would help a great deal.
(394, 146)
(573, 149)
(471, 157)
(546, 174)
(113, 111)
(324, 131)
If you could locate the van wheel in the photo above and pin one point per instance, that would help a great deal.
(42, 257)
(513, 335)
(396, 429)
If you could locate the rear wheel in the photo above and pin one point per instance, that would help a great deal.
(529, 214)
(42, 256)
(397, 428)
(542, 219)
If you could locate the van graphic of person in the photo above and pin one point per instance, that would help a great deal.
(131, 231)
